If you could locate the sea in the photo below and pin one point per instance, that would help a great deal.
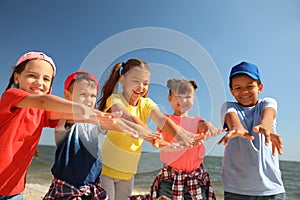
(39, 174)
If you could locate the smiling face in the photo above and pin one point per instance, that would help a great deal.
(36, 78)
(245, 90)
(135, 84)
(181, 102)
(82, 91)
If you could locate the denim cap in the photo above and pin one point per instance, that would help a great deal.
(247, 69)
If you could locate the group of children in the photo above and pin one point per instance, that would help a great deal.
(82, 170)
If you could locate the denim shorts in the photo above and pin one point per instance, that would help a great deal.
(233, 196)
(165, 189)
(13, 197)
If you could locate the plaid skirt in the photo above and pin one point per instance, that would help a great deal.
(60, 189)
(194, 180)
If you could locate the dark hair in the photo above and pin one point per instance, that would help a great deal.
(16, 69)
(118, 70)
(181, 86)
(19, 69)
(230, 79)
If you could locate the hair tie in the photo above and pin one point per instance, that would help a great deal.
(121, 68)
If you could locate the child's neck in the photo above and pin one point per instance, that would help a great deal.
(180, 114)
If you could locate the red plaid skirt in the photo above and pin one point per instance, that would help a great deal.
(61, 189)
(194, 180)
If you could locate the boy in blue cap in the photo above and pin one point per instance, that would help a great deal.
(250, 165)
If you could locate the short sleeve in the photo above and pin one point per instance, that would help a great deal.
(11, 98)
(269, 103)
(114, 99)
(227, 107)
(148, 105)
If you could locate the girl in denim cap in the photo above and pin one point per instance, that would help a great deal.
(24, 110)
(250, 165)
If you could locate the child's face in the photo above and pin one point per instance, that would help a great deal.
(82, 91)
(181, 103)
(135, 84)
(36, 78)
(245, 90)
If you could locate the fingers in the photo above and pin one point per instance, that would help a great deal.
(266, 132)
(224, 140)
(276, 144)
(116, 114)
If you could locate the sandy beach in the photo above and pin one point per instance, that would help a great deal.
(35, 191)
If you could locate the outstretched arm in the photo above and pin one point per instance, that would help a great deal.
(236, 129)
(265, 127)
(208, 129)
(135, 123)
(168, 126)
(61, 108)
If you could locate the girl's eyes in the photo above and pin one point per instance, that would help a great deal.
(138, 82)
(47, 79)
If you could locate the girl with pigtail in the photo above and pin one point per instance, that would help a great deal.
(182, 175)
(121, 152)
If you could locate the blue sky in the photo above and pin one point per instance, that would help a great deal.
(195, 39)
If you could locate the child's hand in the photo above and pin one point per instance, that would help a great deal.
(168, 147)
(188, 139)
(208, 129)
(141, 130)
(118, 124)
(159, 143)
(270, 136)
(235, 133)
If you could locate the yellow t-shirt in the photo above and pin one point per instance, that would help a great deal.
(121, 152)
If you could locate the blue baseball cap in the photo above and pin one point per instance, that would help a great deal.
(245, 68)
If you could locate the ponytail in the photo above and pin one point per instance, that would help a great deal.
(109, 86)
(118, 70)
(17, 69)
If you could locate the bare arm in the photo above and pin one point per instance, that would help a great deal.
(236, 129)
(208, 129)
(266, 127)
(135, 123)
(168, 126)
(60, 108)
